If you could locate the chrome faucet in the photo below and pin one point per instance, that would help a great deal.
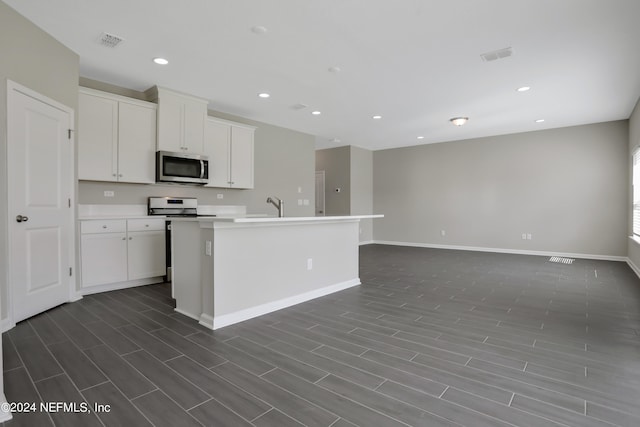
(279, 204)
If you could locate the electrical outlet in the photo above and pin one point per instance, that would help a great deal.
(524, 236)
(443, 233)
(299, 202)
(305, 202)
(207, 248)
(108, 193)
(309, 263)
(220, 196)
(528, 236)
(299, 189)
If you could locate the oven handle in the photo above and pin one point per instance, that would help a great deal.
(201, 169)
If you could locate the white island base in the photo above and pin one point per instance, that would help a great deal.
(227, 270)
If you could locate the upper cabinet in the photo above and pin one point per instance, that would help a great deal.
(116, 138)
(180, 121)
(229, 147)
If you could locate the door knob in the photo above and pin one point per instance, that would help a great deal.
(21, 218)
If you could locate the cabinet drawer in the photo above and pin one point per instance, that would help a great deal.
(145, 224)
(106, 226)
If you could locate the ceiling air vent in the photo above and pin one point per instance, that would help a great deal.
(299, 106)
(109, 40)
(497, 54)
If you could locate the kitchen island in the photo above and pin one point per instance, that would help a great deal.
(226, 270)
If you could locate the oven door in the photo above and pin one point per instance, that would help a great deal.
(182, 168)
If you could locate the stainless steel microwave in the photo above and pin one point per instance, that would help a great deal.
(182, 168)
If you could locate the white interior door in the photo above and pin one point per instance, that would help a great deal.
(40, 172)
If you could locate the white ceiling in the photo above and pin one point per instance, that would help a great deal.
(415, 62)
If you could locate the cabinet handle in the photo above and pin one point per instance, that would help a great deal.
(146, 225)
(124, 238)
(120, 175)
(113, 174)
(130, 238)
(104, 226)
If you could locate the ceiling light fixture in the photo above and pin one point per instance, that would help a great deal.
(421, 137)
(459, 121)
(263, 95)
(316, 113)
(376, 117)
(523, 88)
(259, 30)
(539, 120)
(160, 61)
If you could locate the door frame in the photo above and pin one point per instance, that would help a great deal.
(12, 89)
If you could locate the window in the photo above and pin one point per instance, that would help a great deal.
(636, 192)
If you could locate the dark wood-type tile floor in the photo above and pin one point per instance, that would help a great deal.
(431, 338)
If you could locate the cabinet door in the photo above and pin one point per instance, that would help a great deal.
(194, 117)
(146, 254)
(104, 258)
(216, 148)
(136, 143)
(241, 159)
(170, 123)
(97, 138)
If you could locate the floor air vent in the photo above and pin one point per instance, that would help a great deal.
(561, 260)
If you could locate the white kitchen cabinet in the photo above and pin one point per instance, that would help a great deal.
(146, 248)
(116, 138)
(229, 147)
(104, 252)
(121, 252)
(180, 122)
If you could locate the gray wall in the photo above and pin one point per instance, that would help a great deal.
(336, 163)
(362, 189)
(567, 187)
(633, 247)
(350, 169)
(284, 162)
(34, 59)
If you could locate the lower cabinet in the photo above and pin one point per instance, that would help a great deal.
(121, 251)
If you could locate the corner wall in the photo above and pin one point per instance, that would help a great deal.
(566, 187)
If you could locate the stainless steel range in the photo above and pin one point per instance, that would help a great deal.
(172, 207)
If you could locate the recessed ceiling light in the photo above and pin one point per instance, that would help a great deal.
(539, 120)
(459, 121)
(421, 137)
(263, 95)
(376, 117)
(316, 113)
(259, 29)
(334, 69)
(523, 89)
(160, 61)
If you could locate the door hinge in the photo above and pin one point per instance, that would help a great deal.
(69, 132)
(70, 271)
(69, 202)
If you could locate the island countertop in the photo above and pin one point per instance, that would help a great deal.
(227, 269)
(273, 219)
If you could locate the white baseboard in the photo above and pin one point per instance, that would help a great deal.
(184, 313)
(217, 322)
(4, 416)
(206, 321)
(6, 324)
(633, 267)
(504, 251)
